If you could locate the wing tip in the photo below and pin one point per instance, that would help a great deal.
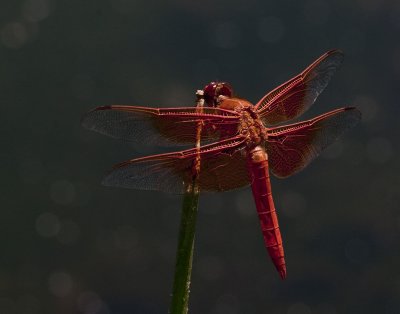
(85, 120)
(337, 53)
(334, 50)
(356, 112)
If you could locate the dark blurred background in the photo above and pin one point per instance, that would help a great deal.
(69, 245)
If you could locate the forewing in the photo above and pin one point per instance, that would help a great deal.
(291, 148)
(161, 126)
(222, 167)
(289, 100)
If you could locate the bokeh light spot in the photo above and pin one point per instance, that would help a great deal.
(90, 303)
(14, 35)
(47, 225)
(60, 284)
(35, 10)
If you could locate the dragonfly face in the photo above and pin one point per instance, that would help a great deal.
(215, 89)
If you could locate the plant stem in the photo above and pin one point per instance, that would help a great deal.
(184, 255)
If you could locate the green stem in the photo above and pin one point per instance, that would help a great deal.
(184, 255)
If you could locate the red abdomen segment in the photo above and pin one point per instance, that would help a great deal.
(261, 186)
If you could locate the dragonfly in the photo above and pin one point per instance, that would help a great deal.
(241, 142)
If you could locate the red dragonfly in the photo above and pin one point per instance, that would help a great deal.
(247, 141)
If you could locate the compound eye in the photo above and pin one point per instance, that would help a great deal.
(224, 89)
(210, 93)
(213, 90)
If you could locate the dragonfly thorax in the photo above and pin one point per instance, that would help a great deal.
(251, 126)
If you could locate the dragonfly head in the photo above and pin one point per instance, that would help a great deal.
(215, 89)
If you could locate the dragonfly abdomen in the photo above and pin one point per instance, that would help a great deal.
(261, 187)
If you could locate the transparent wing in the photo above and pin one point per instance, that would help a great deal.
(289, 100)
(223, 167)
(161, 126)
(291, 148)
